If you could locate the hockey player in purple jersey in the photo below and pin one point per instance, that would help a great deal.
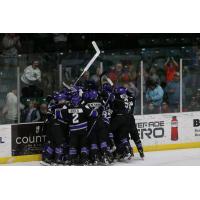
(97, 131)
(120, 122)
(77, 115)
(56, 130)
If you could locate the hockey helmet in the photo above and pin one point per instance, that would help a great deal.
(120, 90)
(93, 94)
(75, 100)
(86, 95)
(60, 98)
(107, 87)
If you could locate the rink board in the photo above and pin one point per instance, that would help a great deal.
(23, 142)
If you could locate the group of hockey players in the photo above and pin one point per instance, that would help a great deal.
(86, 125)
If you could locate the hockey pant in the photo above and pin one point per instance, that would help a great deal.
(120, 129)
(97, 137)
(57, 140)
(134, 132)
(78, 144)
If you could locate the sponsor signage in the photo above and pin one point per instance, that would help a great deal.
(196, 125)
(1, 140)
(152, 129)
(27, 139)
(169, 128)
(176, 128)
(5, 140)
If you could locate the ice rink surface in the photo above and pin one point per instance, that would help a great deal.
(183, 157)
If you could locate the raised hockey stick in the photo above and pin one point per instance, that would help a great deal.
(109, 81)
(90, 62)
(104, 76)
(101, 78)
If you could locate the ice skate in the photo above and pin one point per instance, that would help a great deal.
(141, 153)
(46, 162)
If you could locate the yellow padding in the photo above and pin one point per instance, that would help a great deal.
(160, 147)
(26, 158)
(164, 147)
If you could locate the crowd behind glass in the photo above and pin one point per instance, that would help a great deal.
(41, 74)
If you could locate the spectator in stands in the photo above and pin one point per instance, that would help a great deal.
(31, 113)
(150, 109)
(173, 93)
(125, 75)
(96, 77)
(112, 74)
(153, 75)
(43, 111)
(115, 72)
(195, 102)
(11, 44)
(31, 78)
(85, 78)
(9, 111)
(186, 75)
(194, 105)
(119, 68)
(154, 94)
(132, 71)
(170, 68)
(32, 74)
(165, 107)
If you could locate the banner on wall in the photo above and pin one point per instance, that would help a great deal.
(169, 128)
(196, 127)
(5, 141)
(27, 139)
(176, 128)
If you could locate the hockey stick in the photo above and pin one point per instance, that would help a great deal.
(90, 62)
(65, 85)
(103, 75)
(109, 81)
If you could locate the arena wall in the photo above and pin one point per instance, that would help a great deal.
(23, 142)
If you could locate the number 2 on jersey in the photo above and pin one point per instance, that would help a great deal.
(75, 118)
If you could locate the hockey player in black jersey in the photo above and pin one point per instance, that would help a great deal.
(56, 129)
(120, 122)
(76, 115)
(107, 99)
(132, 125)
(97, 131)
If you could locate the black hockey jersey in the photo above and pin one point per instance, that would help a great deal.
(76, 117)
(54, 112)
(132, 100)
(95, 105)
(120, 104)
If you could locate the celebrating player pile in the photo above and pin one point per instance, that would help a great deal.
(87, 126)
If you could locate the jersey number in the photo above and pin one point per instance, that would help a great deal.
(128, 105)
(75, 118)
